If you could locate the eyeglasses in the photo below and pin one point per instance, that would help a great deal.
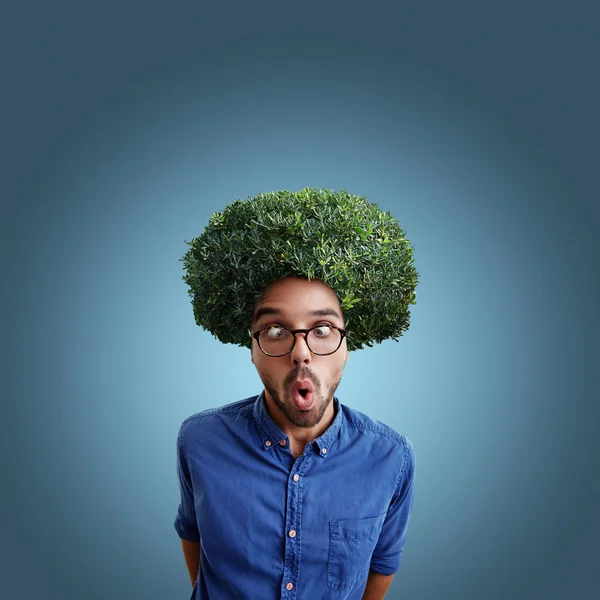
(321, 339)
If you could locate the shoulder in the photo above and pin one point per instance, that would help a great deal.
(356, 420)
(383, 436)
(214, 419)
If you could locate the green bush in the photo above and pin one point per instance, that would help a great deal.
(346, 242)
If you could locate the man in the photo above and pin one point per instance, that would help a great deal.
(291, 494)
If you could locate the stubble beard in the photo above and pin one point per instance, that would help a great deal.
(302, 418)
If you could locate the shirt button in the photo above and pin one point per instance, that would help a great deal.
(292, 533)
(324, 450)
(296, 477)
(268, 443)
(289, 586)
(283, 442)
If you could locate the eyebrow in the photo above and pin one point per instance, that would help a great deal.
(321, 312)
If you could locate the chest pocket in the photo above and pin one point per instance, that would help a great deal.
(351, 544)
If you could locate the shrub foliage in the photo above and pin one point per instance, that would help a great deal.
(346, 242)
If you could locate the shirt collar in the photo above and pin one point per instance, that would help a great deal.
(271, 435)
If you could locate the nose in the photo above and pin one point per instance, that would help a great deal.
(300, 352)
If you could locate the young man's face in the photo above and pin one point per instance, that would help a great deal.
(295, 298)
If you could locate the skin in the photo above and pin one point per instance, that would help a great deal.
(295, 298)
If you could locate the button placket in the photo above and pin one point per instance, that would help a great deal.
(293, 525)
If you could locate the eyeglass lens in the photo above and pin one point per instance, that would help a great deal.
(278, 341)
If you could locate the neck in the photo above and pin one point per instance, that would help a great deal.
(300, 436)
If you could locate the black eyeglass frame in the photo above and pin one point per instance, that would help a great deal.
(305, 332)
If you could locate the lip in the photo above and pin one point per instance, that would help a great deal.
(300, 384)
(302, 403)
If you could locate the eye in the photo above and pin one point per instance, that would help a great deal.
(275, 332)
(322, 330)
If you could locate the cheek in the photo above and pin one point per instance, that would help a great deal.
(332, 373)
(274, 375)
(339, 369)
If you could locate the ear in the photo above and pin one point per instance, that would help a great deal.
(252, 355)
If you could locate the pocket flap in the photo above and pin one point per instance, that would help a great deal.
(356, 529)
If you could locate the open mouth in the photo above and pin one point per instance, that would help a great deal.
(302, 394)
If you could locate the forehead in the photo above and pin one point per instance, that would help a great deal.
(327, 311)
(296, 298)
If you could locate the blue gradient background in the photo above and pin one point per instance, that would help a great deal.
(126, 126)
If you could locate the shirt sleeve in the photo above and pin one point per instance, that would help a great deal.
(185, 523)
(387, 553)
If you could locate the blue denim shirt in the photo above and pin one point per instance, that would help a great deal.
(272, 526)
